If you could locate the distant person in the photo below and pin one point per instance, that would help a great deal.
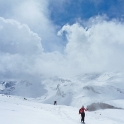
(55, 102)
(82, 112)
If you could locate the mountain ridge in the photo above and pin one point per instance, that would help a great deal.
(85, 89)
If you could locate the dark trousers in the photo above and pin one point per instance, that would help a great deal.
(82, 116)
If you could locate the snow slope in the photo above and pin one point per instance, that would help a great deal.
(16, 110)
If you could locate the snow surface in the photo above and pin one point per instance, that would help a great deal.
(16, 110)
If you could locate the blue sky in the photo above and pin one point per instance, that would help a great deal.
(85, 9)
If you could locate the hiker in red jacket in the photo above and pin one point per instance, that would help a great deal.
(82, 112)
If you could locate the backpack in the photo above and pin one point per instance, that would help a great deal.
(80, 111)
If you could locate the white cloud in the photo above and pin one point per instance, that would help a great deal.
(16, 38)
(36, 15)
(19, 47)
(21, 50)
(100, 48)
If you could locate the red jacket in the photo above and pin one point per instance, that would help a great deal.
(82, 110)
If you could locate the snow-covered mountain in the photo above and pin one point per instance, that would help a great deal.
(22, 88)
(82, 89)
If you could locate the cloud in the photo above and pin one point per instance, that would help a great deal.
(30, 47)
(16, 38)
(22, 55)
(93, 46)
(18, 48)
(99, 47)
(36, 15)
(25, 33)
